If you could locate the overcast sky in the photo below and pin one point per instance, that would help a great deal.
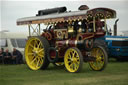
(12, 10)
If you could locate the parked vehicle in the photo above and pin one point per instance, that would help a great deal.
(69, 38)
(13, 40)
(117, 46)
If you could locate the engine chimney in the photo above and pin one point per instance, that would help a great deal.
(115, 28)
(83, 7)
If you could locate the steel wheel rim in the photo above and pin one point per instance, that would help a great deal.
(34, 53)
(99, 63)
(72, 60)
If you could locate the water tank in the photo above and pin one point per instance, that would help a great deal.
(52, 10)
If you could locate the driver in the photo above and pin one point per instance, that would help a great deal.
(99, 25)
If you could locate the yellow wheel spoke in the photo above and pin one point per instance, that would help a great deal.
(76, 65)
(69, 56)
(30, 54)
(77, 57)
(37, 63)
(31, 46)
(39, 45)
(33, 61)
(73, 54)
(35, 43)
(41, 60)
(41, 50)
(71, 66)
(40, 55)
(78, 62)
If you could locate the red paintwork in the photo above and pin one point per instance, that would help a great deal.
(62, 45)
(100, 34)
(84, 36)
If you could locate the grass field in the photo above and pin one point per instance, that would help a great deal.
(116, 73)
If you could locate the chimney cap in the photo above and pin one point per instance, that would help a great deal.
(83, 7)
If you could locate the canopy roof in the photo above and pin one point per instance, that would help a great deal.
(68, 16)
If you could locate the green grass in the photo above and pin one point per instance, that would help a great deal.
(116, 73)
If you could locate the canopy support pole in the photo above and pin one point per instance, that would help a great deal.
(94, 28)
(39, 29)
(105, 24)
(29, 29)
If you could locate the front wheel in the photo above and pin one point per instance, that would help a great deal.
(73, 60)
(36, 53)
(101, 58)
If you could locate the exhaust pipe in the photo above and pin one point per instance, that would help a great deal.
(115, 28)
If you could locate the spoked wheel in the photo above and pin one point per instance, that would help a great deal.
(35, 53)
(73, 60)
(101, 58)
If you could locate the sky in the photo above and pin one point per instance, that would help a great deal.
(12, 10)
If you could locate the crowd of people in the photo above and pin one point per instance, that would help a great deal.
(11, 58)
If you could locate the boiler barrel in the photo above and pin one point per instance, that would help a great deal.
(86, 44)
(69, 43)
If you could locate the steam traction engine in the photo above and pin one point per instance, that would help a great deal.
(68, 38)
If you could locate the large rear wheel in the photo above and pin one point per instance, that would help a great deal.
(101, 58)
(36, 53)
(73, 60)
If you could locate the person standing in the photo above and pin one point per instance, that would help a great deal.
(1, 56)
(7, 57)
(17, 56)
